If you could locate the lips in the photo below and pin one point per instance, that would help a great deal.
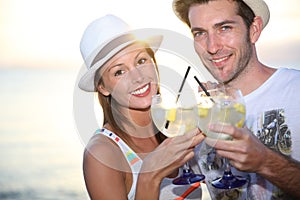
(220, 60)
(142, 91)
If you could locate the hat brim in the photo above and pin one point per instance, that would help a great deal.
(261, 9)
(86, 82)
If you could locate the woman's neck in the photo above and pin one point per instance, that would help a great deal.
(140, 131)
(136, 119)
(140, 117)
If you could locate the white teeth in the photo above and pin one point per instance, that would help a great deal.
(141, 91)
(219, 60)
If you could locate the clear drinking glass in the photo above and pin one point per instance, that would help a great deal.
(223, 106)
(174, 120)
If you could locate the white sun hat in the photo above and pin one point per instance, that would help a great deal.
(103, 38)
(259, 7)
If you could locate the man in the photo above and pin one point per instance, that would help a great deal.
(225, 33)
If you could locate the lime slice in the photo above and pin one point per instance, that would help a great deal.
(202, 112)
(171, 114)
(240, 123)
(240, 108)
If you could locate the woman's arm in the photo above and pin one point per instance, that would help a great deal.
(103, 176)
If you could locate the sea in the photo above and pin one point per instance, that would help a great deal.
(40, 149)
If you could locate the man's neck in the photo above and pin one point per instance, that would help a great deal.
(252, 77)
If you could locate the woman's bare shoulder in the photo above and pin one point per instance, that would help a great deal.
(103, 167)
(104, 151)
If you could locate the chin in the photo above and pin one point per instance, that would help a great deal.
(142, 108)
(141, 105)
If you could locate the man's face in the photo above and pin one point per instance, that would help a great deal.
(221, 38)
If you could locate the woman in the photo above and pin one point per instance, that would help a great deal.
(127, 158)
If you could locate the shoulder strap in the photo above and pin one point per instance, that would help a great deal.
(132, 158)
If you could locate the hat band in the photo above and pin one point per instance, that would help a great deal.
(112, 45)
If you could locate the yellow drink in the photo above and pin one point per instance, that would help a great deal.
(180, 120)
(219, 112)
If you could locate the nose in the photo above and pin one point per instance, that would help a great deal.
(213, 44)
(136, 75)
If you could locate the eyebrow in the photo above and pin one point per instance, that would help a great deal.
(217, 25)
(114, 66)
(143, 50)
(196, 29)
(120, 64)
(224, 22)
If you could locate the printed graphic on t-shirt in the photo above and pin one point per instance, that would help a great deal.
(274, 132)
(276, 135)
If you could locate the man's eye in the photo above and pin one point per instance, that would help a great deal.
(198, 34)
(225, 28)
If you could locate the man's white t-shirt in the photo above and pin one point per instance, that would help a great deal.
(273, 113)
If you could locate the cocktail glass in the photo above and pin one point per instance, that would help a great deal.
(226, 106)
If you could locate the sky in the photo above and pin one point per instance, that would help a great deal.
(46, 33)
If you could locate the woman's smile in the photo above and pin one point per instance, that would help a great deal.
(142, 91)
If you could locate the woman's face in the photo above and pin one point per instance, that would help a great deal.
(130, 77)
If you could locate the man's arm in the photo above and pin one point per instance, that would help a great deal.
(282, 172)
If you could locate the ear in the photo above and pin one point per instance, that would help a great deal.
(256, 29)
(102, 90)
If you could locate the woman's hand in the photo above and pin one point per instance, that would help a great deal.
(171, 154)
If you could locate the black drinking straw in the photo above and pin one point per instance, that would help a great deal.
(180, 89)
(203, 88)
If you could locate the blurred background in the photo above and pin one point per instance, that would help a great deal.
(40, 149)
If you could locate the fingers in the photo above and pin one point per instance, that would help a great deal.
(208, 85)
(237, 134)
(173, 152)
(186, 156)
(211, 142)
(193, 137)
(222, 128)
(234, 132)
(181, 147)
(211, 85)
(178, 147)
(198, 139)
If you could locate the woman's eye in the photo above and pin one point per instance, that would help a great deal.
(141, 61)
(119, 72)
